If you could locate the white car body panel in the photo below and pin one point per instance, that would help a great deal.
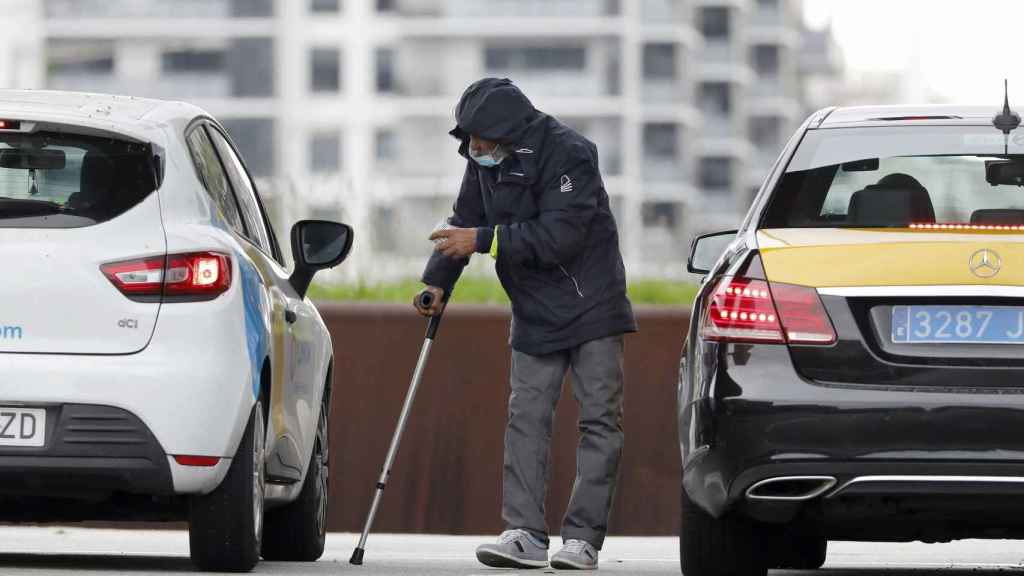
(45, 263)
(191, 372)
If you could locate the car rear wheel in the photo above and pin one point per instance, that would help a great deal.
(726, 546)
(296, 532)
(226, 525)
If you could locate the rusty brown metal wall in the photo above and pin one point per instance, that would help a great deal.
(447, 478)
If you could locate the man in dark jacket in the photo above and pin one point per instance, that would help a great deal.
(532, 198)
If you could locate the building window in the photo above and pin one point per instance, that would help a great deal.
(764, 131)
(385, 5)
(325, 70)
(386, 145)
(255, 140)
(80, 57)
(325, 152)
(715, 98)
(662, 218)
(535, 58)
(716, 174)
(660, 61)
(325, 6)
(251, 66)
(661, 141)
(385, 64)
(192, 61)
(765, 59)
(714, 22)
(252, 8)
(383, 230)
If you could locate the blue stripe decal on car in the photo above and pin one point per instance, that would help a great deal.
(256, 330)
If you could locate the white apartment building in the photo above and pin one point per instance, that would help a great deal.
(342, 107)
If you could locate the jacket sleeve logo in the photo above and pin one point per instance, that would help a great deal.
(566, 183)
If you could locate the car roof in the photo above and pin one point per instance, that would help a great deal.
(140, 118)
(902, 115)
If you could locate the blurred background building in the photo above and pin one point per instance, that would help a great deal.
(342, 107)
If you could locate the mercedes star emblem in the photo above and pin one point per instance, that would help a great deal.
(985, 263)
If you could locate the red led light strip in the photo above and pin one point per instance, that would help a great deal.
(1006, 227)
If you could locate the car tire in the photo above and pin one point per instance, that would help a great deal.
(226, 525)
(801, 549)
(297, 532)
(726, 546)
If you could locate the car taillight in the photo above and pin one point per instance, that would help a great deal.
(742, 310)
(200, 274)
(746, 310)
(137, 277)
(803, 317)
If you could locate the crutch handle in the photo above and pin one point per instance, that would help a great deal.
(426, 300)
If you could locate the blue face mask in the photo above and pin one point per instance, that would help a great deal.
(491, 159)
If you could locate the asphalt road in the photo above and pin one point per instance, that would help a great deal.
(67, 551)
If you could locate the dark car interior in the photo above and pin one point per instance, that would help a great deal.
(895, 200)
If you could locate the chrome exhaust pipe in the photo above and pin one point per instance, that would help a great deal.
(790, 488)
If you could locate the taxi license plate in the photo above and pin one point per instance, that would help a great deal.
(958, 324)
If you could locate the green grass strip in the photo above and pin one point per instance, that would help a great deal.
(481, 290)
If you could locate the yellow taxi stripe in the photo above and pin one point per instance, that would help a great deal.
(830, 257)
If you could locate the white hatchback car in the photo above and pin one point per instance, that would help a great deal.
(158, 361)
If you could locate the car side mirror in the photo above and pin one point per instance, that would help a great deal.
(706, 249)
(317, 245)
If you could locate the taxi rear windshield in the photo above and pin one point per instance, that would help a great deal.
(58, 180)
(899, 177)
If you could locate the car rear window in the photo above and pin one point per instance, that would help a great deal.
(58, 180)
(898, 177)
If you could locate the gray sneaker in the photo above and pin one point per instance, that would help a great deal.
(515, 549)
(575, 555)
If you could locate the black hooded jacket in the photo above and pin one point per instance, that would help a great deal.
(558, 247)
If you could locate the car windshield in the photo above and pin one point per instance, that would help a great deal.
(54, 180)
(936, 176)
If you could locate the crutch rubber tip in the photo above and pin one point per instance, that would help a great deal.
(357, 557)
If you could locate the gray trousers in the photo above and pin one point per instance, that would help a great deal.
(536, 387)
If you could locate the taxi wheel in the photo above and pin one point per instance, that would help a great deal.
(297, 532)
(804, 550)
(726, 546)
(226, 525)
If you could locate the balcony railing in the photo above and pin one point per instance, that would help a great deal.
(720, 51)
(663, 91)
(507, 8)
(665, 11)
(80, 9)
(768, 17)
(772, 87)
(719, 126)
(183, 86)
(662, 169)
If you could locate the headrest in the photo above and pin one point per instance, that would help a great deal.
(97, 177)
(998, 216)
(896, 200)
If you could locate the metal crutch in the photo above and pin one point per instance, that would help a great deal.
(426, 300)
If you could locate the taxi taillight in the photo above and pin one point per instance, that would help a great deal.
(749, 310)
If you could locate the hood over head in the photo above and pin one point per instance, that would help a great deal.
(493, 109)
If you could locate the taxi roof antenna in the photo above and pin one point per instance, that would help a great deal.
(1006, 121)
